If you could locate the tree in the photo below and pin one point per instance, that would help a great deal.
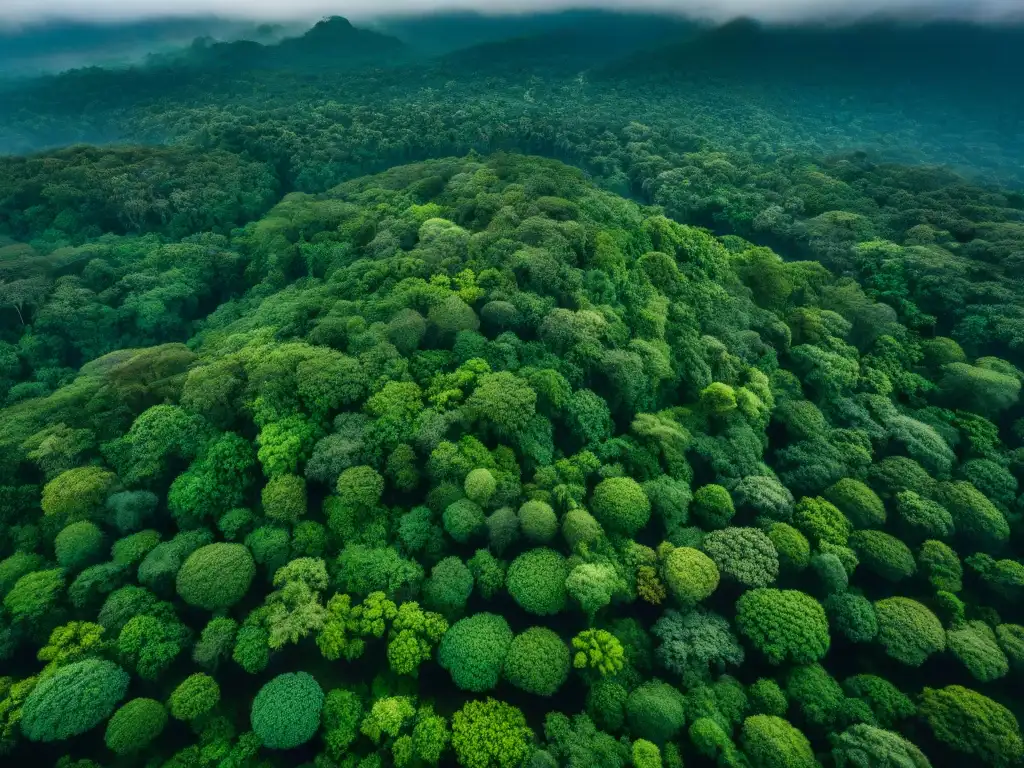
(853, 615)
(502, 402)
(490, 734)
(78, 545)
(537, 662)
(196, 695)
(592, 586)
(858, 502)
(816, 694)
(696, 644)
(536, 580)
(216, 577)
(73, 700)
(480, 486)
(488, 573)
(763, 495)
(216, 641)
(131, 550)
(414, 635)
(655, 711)
(771, 742)
(463, 520)
(621, 506)
(975, 517)
(743, 555)
(578, 742)
(908, 631)
(974, 643)
(150, 644)
(538, 522)
(691, 575)
(861, 746)
(784, 624)
(284, 499)
(887, 703)
(77, 493)
(449, 587)
(598, 649)
(135, 725)
(713, 506)
(473, 651)
(342, 713)
(286, 711)
(34, 599)
(883, 554)
(973, 725)
(767, 698)
(792, 547)
(821, 521)
(217, 481)
(979, 389)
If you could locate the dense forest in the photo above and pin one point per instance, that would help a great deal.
(603, 391)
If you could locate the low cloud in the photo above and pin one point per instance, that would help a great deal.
(21, 11)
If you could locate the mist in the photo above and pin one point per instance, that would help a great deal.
(15, 12)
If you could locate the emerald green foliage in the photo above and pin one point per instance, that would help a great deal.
(908, 630)
(887, 703)
(488, 573)
(73, 700)
(150, 644)
(974, 644)
(941, 565)
(490, 734)
(577, 742)
(696, 643)
(620, 505)
(76, 494)
(538, 522)
(132, 549)
(606, 704)
(865, 745)
(473, 650)
(216, 576)
(480, 486)
(463, 519)
(216, 641)
(34, 597)
(691, 575)
(853, 615)
(923, 517)
(713, 506)
(159, 568)
(816, 695)
(784, 624)
(771, 742)
(284, 499)
(821, 521)
(449, 587)
(342, 714)
(286, 711)
(537, 661)
(743, 555)
(536, 581)
(598, 649)
(196, 695)
(791, 546)
(78, 545)
(655, 711)
(135, 725)
(883, 554)
(767, 698)
(858, 502)
(973, 724)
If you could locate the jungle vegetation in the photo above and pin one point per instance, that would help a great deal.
(505, 410)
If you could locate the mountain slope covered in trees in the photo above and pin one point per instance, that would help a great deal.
(525, 415)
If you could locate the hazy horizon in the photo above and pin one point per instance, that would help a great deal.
(20, 12)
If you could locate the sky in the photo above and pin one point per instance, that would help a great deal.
(21, 11)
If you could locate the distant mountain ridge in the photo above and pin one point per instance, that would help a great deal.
(332, 43)
(950, 52)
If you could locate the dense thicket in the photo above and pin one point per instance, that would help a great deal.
(476, 460)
